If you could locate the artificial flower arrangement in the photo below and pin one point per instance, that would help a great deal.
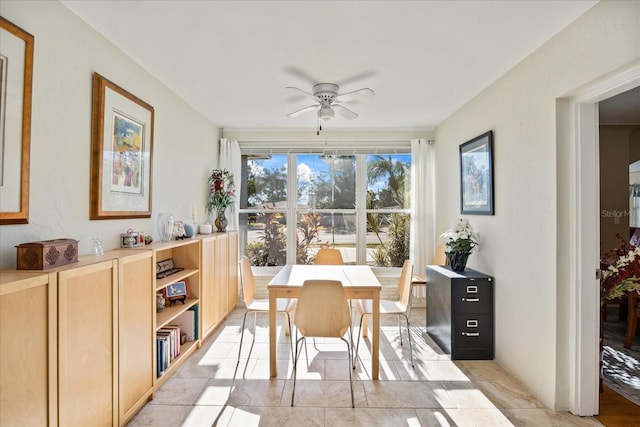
(221, 190)
(460, 237)
(622, 272)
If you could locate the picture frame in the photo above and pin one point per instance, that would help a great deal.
(16, 79)
(121, 153)
(176, 292)
(476, 176)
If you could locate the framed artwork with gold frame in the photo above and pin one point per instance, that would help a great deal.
(121, 153)
(16, 78)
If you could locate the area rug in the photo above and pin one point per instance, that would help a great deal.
(621, 366)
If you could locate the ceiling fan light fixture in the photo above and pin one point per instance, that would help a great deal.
(326, 113)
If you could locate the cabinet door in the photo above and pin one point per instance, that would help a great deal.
(136, 298)
(24, 352)
(222, 275)
(87, 345)
(232, 273)
(208, 273)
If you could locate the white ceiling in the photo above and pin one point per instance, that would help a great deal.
(231, 60)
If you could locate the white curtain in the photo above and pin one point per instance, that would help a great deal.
(230, 158)
(423, 207)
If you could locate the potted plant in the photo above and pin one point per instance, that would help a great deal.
(620, 276)
(221, 196)
(621, 272)
(459, 241)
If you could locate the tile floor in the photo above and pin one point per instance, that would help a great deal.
(208, 390)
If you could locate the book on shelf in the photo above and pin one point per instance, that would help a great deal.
(195, 309)
(173, 332)
(162, 355)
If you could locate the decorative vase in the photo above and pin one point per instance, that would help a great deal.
(164, 222)
(458, 260)
(160, 302)
(221, 221)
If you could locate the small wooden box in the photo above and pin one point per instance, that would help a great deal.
(47, 254)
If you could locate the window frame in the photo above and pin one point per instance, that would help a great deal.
(292, 212)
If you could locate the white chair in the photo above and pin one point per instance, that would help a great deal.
(399, 308)
(255, 306)
(322, 312)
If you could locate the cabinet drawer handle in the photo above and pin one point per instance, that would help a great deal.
(471, 299)
(472, 289)
(471, 334)
(472, 323)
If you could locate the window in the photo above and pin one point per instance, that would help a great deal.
(357, 203)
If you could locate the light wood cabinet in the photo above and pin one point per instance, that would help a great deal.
(219, 278)
(87, 296)
(136, 308)
(89, 357)
(232, 271)
(209, 309)
(27, 355)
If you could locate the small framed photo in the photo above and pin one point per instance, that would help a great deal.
(176, 292)
(476, 175)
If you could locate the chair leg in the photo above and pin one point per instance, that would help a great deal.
(350, 377)
(244, 319)
(632, 324)
(295, 366)
(410, 343)
(400, 329)
(355, 356)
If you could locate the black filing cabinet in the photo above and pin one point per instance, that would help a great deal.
(460, 312)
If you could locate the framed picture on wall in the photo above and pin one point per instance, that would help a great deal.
(16, 77)
(121, 151)
(476, 175)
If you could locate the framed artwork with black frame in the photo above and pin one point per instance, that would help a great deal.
(476, 175)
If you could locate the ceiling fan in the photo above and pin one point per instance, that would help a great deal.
(329, 100)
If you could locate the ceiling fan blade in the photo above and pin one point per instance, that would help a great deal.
(303, 110)
(350, 96)
(344, 112)
(310, 95)
(302, 75)
(356, 78)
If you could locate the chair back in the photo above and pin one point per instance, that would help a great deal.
(440, 258)
(404, 283)
(328, 256)
(247, 281)
(322, 309)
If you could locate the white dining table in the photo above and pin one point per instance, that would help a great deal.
(359, 283)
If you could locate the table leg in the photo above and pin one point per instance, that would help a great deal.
(375, 355)
(365, 327)
(273, 370)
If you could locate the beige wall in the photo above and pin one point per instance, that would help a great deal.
(616, 153)
(519, 243)
(67, 52)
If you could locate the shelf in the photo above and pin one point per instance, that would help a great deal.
(175, 277)
(186, 350)
(169, 313)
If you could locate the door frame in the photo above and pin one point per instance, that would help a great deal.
(584, 233)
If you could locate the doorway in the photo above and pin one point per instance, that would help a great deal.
(579, 239)
(619, 159)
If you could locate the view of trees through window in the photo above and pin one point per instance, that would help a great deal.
(364, 215)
